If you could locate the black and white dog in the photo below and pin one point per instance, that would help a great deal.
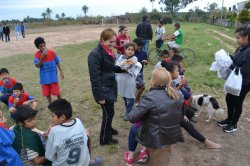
(205, 101)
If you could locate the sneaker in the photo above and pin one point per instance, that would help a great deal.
(143, 157)
(129, 162)
(96, 162)
(223, 123)
(230, 128)
(110, 142)
(114, 132)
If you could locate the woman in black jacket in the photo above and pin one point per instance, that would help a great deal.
(241, 61)
(102, 71)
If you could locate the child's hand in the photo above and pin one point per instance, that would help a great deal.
(61, 75)
(130, 62)
(16, 100)
(5, 81)
(26, 103)
(44, 54)
(12, 110)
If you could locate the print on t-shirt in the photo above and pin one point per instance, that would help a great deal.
(74, 144)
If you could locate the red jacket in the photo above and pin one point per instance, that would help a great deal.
(120, 40)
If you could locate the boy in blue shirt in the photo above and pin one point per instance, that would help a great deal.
(143, 59)
(48, 62)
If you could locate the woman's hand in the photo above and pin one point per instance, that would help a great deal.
(102, 102)
(145, 62)
(186, 119)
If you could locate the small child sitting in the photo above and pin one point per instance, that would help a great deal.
(27, 142)
(177, 58)
(19, 97)
(6, 85)
(164, 56)
(127, 81)
(71, 148)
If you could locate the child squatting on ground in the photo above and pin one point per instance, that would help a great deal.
(48, 62)
(127, 81)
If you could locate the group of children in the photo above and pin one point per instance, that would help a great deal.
(36, 147)
(132, 61)
(23, 143)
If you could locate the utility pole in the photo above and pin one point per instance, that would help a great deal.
(221, 11)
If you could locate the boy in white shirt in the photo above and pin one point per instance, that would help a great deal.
(68, 140)
(160, 33)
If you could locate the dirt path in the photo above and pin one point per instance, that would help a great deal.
(221, 34)
(54, 36)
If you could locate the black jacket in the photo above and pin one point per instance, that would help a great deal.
(160, 116)
(241, 60)
(102, 75)
(6, 30)
(144, 30)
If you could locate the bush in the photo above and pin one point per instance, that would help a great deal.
(244, 16)
(167, 20)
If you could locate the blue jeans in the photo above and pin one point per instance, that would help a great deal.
(129, 103)
(145, 45)
(5, 98)
(132, 142)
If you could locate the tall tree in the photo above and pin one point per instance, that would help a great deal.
(49, 12)
(58, 16)
(143, 10)
(85, 9)
(63, 15)
(212, 7)
(152, 1)
(173, 6)
(44, 15)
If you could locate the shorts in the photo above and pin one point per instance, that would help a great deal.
(173, 44)
(51, 89)
(139, 81)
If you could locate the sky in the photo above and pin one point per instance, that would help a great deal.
(19, 9)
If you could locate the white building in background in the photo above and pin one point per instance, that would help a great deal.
(241, 5)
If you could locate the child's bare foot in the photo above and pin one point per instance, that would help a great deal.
(212, 145)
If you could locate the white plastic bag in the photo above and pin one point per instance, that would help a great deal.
(233, 83)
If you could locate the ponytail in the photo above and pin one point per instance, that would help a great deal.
(161, 77)
(172, 92)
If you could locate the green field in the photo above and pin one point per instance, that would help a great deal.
(76, 85)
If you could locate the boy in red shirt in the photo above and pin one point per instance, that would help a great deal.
(48, 62)
(19, 97)
(6, 85)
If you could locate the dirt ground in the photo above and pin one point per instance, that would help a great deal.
(54, 36)
(236, 151)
